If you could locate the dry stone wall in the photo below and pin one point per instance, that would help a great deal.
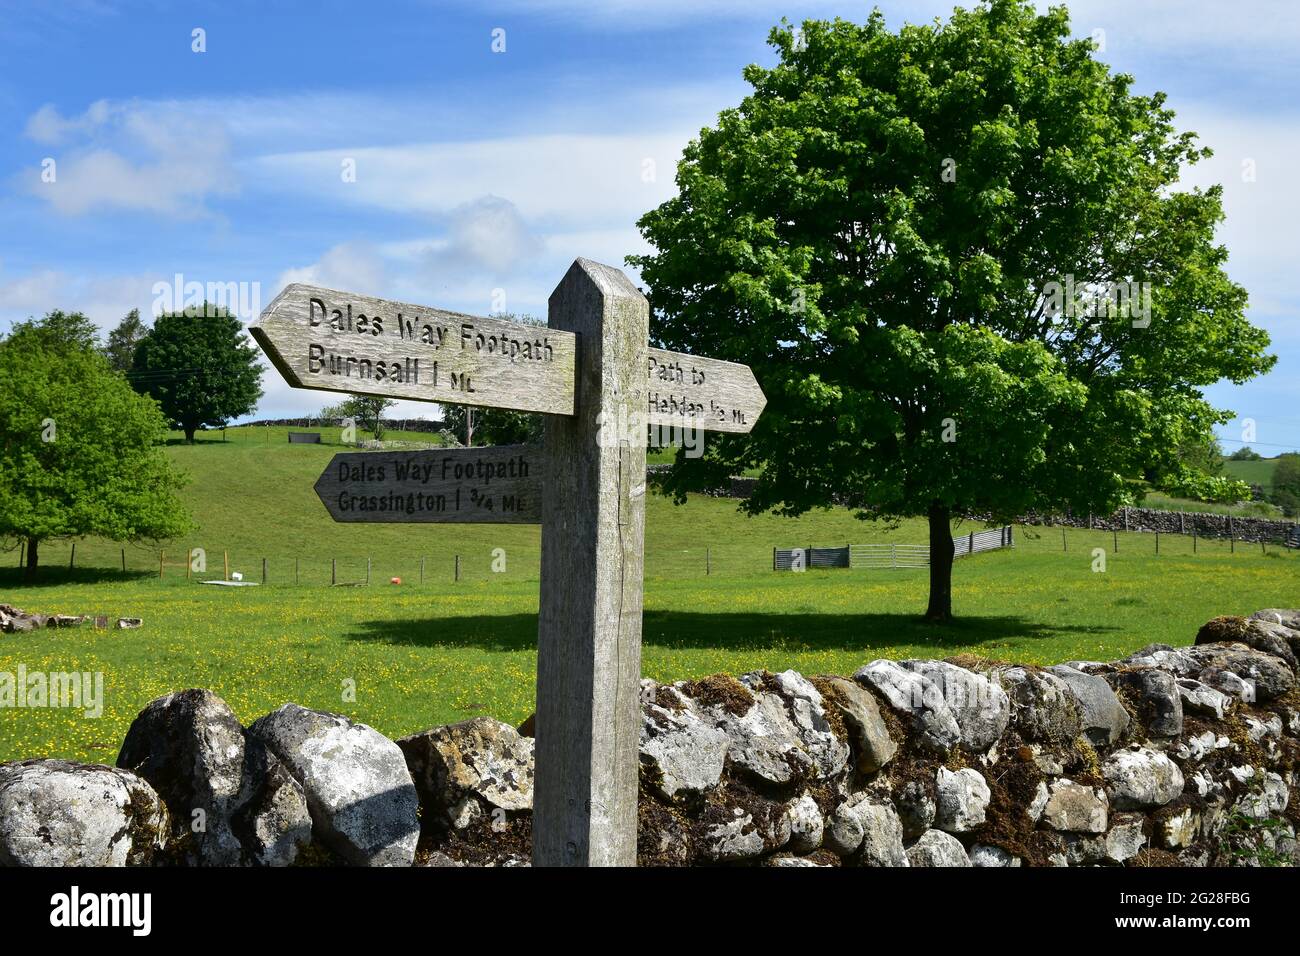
(1173, 756)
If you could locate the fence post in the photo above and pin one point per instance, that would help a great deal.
(72, 559)
(225, 560)
(708, 562)
(334, 571)
(1193, 540)
(458, 567)
(893, 556)
(124, 560)
(970, 546)
(421, 569)
(1064, 546)
(264, 570)
(161, 555)
(1114, 536)
(774, 559)
(1157, 542)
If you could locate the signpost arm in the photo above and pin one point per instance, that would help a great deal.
(589, 623)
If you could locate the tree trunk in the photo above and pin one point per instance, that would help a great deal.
(941, 551)
(189, 433)
(29, 572)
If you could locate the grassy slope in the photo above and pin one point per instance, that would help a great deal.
(1254, 472)
(426, 654)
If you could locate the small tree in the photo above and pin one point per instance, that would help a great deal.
(492, 426)
(495, 426)
(79, 448)
(199, 367)
(1286, 484)
(366, 410)
(120, 347)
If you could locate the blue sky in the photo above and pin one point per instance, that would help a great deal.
(480, 173)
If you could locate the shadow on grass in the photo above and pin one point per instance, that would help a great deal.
(678, 630)
(13, 581)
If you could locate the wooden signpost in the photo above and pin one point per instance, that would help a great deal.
(590, 371)
(497, 485)
(701, 392)
(342, 342)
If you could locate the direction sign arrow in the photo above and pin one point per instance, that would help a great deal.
(342, 342)
(692, 392)
(500, 484)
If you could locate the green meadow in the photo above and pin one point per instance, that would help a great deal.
(434, 649)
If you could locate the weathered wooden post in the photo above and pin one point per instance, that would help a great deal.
(593, 375)
(589, 623)
(72, 558)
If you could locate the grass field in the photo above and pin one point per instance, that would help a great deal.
(422, 654)
(1254, 472)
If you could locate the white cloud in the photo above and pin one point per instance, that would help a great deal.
(350, 267)
(103, 299)
(571, 179)
(152, 158)
(1190, 28)
(486, 235)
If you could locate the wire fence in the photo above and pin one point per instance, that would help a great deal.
(452, 562)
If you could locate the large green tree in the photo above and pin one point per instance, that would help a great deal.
(199, 366)
(888, 230)
(80, 450)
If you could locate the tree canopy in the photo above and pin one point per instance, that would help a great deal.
(199, 367)
(79, 448)
(122, 340)
(958, 260)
